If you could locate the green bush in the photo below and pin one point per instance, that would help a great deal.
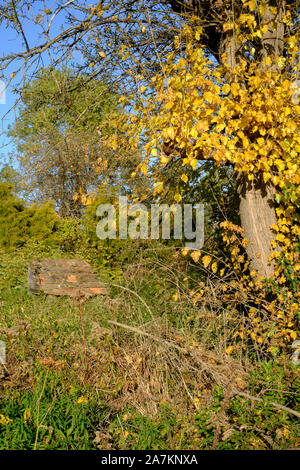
(20, 223)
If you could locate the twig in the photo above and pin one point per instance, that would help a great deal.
(234, 392)
(38, 413)
(81, 299)
(140, 332)
(138, 296)
(274, 404)
(167, 343)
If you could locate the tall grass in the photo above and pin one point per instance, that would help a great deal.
(142, 368)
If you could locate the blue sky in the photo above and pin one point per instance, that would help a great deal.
(10, 42)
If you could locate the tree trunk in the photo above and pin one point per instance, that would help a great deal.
(257, 214)
(257, 209)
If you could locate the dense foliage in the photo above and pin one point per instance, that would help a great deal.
(172, 101)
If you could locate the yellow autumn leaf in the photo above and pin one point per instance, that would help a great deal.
(202, 126)
(281, 62)
(252, 5)
(196, 255)
(164, 160)
(194, 133)
(293, 335)
(214, 267)
(198, 35)
(206, 260)
(184, 251)
(226, 89)
(82, 399)
(144, 169)
(229, 350)
(193, 163)
(280, 237)
(227, 26)
(264, 29)
(171, 133)
(208, 96)
(184, 178)
(235, 87)
(159, 186)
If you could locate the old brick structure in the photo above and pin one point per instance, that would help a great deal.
(72, 277)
